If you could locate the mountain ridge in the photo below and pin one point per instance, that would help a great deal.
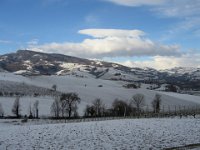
(26, 62)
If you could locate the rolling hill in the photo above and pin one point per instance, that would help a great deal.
(33, 74)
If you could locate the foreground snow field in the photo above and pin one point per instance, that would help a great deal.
(116, 134)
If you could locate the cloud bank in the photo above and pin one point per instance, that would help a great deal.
(116, 43)
(163, 62)
(110, 43)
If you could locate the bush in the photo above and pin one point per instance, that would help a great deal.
(130, 86)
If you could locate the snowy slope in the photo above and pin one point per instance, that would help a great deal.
(181, 70)
(88, 90)
(189, 72)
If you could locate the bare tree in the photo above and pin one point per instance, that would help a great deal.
(87, 111)
(76, 114)
(63, 105)
(36, 108)
(1, 111)
(171, 87)
(138, 100)
(16, 107)
(99, 107)
(156, 103)
(90, 111)
(56, 107)
(30, 111)
(54, 87)
(119, 107)
(71, 99)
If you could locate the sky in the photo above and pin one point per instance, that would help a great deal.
(161, 34)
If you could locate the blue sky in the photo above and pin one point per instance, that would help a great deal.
(151, 33)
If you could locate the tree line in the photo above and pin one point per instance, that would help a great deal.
(66, 106)
(16, 109)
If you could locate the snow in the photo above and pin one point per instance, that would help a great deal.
(123, 76)
(162, 87)
(3, 58)
(21, 72)
(110, 91)
(115, 65)
(98, 62)
(181, 70)
(69, 66)
(184, 97)
(129, 134)
(28, 64)
(114, 134)
(37, 55)
(75, 69)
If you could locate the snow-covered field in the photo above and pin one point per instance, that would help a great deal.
(129, 134)
(114, 134)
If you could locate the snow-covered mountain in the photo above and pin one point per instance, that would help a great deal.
(35, 63)
(191, 73)
(30, 63)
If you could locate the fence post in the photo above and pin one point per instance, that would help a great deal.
(169, 109)
(175, 111)
(147, 110)
(163, 110)
(184, 109)
(196, 110)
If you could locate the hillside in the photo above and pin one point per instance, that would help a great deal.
(88, 90)
(30, 63)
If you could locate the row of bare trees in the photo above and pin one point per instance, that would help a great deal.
(65, 106)
(122, 108)
(16, 109)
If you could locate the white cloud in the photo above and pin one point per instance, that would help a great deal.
(187, 12)
(164, 62)
(103, 33)
(134, 3)
(92, 20)
(33, 42)
(110, 43)
(180, 8)
(170, 8)
(5, 42)
(187, 28)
